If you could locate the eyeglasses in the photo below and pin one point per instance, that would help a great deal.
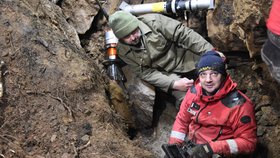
(212, 74)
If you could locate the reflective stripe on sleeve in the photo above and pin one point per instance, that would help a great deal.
(232, 146)
(178, 135)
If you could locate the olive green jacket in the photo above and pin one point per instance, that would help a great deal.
(169, 48)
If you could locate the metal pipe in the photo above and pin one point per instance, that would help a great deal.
(197, 4)
(143, 8)
(171, 6)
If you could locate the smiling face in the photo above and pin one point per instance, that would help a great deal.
(210, 81)
(133, 38)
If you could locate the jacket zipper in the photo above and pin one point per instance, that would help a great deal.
(196, 120)
(219, 134)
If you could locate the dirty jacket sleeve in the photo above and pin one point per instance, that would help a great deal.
(151, 75)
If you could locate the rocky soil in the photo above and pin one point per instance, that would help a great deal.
(58, 101)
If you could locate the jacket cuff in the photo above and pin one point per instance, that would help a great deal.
(170, 88)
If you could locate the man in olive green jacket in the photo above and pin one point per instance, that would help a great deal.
(159, 50)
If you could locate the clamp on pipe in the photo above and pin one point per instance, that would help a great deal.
(113, 70)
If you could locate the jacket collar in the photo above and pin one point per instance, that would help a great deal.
(144, 28)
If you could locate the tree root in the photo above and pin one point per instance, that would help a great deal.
(64, 105)
(78, 149)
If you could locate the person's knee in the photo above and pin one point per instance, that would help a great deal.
(179, 96)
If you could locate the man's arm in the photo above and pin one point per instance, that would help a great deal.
(156, 78)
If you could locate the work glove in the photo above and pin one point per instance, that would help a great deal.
(202, 151)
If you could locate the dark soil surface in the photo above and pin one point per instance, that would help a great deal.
(55, 101)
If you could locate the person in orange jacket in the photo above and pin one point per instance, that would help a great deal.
(270, 52)
(214, 114)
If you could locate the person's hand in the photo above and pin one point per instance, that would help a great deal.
(183, 84)
(202, 151)
(222, 55)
